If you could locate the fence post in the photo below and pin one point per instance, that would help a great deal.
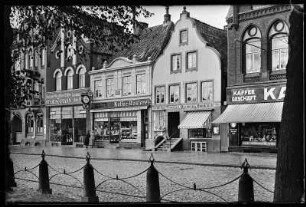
(44, 186)
(246, 189)
(153, 191)
(89, 183)
(9, 171)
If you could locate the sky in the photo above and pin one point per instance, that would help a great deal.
(213, 15)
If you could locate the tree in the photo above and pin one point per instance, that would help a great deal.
(289, 184)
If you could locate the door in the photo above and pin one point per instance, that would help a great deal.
(173, 122)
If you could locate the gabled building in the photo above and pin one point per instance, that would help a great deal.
(121, 106)
(189, 80)
(256, 76)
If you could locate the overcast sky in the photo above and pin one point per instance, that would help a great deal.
(210, 14)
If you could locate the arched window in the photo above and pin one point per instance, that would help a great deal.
(82, 78)
(252, 51)
(278, 37)
(58, 81)
(30, 123)
(70, 79)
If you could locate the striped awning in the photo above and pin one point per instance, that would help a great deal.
(194, 120)
(260, 112)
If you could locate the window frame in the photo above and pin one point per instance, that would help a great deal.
(129, 84)
(179, 70)
(196, 61)
(143, 85)
(97, 88)
(81, 78)
(180, 37)
(110, 90)
(246, 44)
(69, 77)
(201, 90)
(192, 82)
(58, 81)
(179, 93)
(155, 94)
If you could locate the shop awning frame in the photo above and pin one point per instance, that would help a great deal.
(244, 113)
(193, 120)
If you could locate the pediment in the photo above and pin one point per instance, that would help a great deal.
(120, 62)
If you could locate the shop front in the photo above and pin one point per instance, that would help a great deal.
(253, 117)
(67, 123)
(123, 122)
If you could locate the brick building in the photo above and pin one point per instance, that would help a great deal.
(256, 76)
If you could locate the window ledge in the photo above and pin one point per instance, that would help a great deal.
(177, 71)
(250, 75)
(191, 69)
(276, 72)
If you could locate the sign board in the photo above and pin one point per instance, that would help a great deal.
(121, 104)
(63, 98)
(185, 106)
(257, 94)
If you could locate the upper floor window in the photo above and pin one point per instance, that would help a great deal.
(191, 60)
(252, 50)
(160, 94)
(31, 54)
(110, 91)
(176, 61)
(82, 78)
(140, 84)
(40, 124)
(58, 81)
(30, 123)
(43, 56)
(191, 92)
(36, 58)
(207, 91)
(70, 79)
(174, 94)
(279, 45)
(98, 88)
(183, 37)
(126, 86)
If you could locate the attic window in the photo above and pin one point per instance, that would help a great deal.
(183, 37)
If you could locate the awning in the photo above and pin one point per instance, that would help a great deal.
(260, 112)
(200, 119)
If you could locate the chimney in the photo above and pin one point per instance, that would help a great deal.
(167, 16)
(185, 13)
(235, 17)
(139, 26)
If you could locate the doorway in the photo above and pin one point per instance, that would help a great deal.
(173, 122)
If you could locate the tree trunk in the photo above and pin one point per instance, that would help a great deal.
(289, 184)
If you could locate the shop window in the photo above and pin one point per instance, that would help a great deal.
(129, 130)
(40, 124)
(199, 133)
(191, 92)
(183, 37)
(259, 133)
(159, 120)
(98, 88)
(252, 50)
(279, 45)
(191, 60)
(198, 146)
(160, 95)
(82, 78)
(110, 91)
(70, 79)
(207, 91)
(176, 61)
(140, 84)
(58, 81)
(126, 86)
(174, 94)
(55, 130)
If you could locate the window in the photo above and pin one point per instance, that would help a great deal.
(82, 78)
(43, 56)
(70, 79)
(126, 86)
(191, 92)
(40, 124)
(160, 95)
(159, 120)
(58, 81)
(207, 91)
(30, 123)
(98, 88)
(191, 60)
(26, 57)
(110, 87)
(31, 54)
(183, 37)
(279, 46)
(174, 94)
(252, 50)
(176, 63)
(199, 146)
(140, 84)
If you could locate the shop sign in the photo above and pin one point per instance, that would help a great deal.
(257, 94)
(63, 98)
(121, 104)
(184, 106)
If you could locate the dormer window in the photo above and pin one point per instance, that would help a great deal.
(183, 37)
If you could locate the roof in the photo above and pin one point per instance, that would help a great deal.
(215, 37)
(151, 43)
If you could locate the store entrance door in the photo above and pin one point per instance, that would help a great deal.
(173, 122)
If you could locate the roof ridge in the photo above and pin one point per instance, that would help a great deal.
(213, 27)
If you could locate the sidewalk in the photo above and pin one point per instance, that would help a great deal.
(230, 159)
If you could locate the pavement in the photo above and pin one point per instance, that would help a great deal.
(183, 166)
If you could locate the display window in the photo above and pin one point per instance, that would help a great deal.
(55, 130)
(199, 133)
(259, 133)
(129, 130)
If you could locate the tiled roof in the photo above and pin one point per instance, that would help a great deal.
(151, 43)
(215, 38)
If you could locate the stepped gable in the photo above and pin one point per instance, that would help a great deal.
(151, 43)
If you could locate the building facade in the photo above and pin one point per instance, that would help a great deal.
(67, 78)
(256, 78)
(28, 123)
(187, 86)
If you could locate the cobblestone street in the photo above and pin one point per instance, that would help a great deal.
(203, 174)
